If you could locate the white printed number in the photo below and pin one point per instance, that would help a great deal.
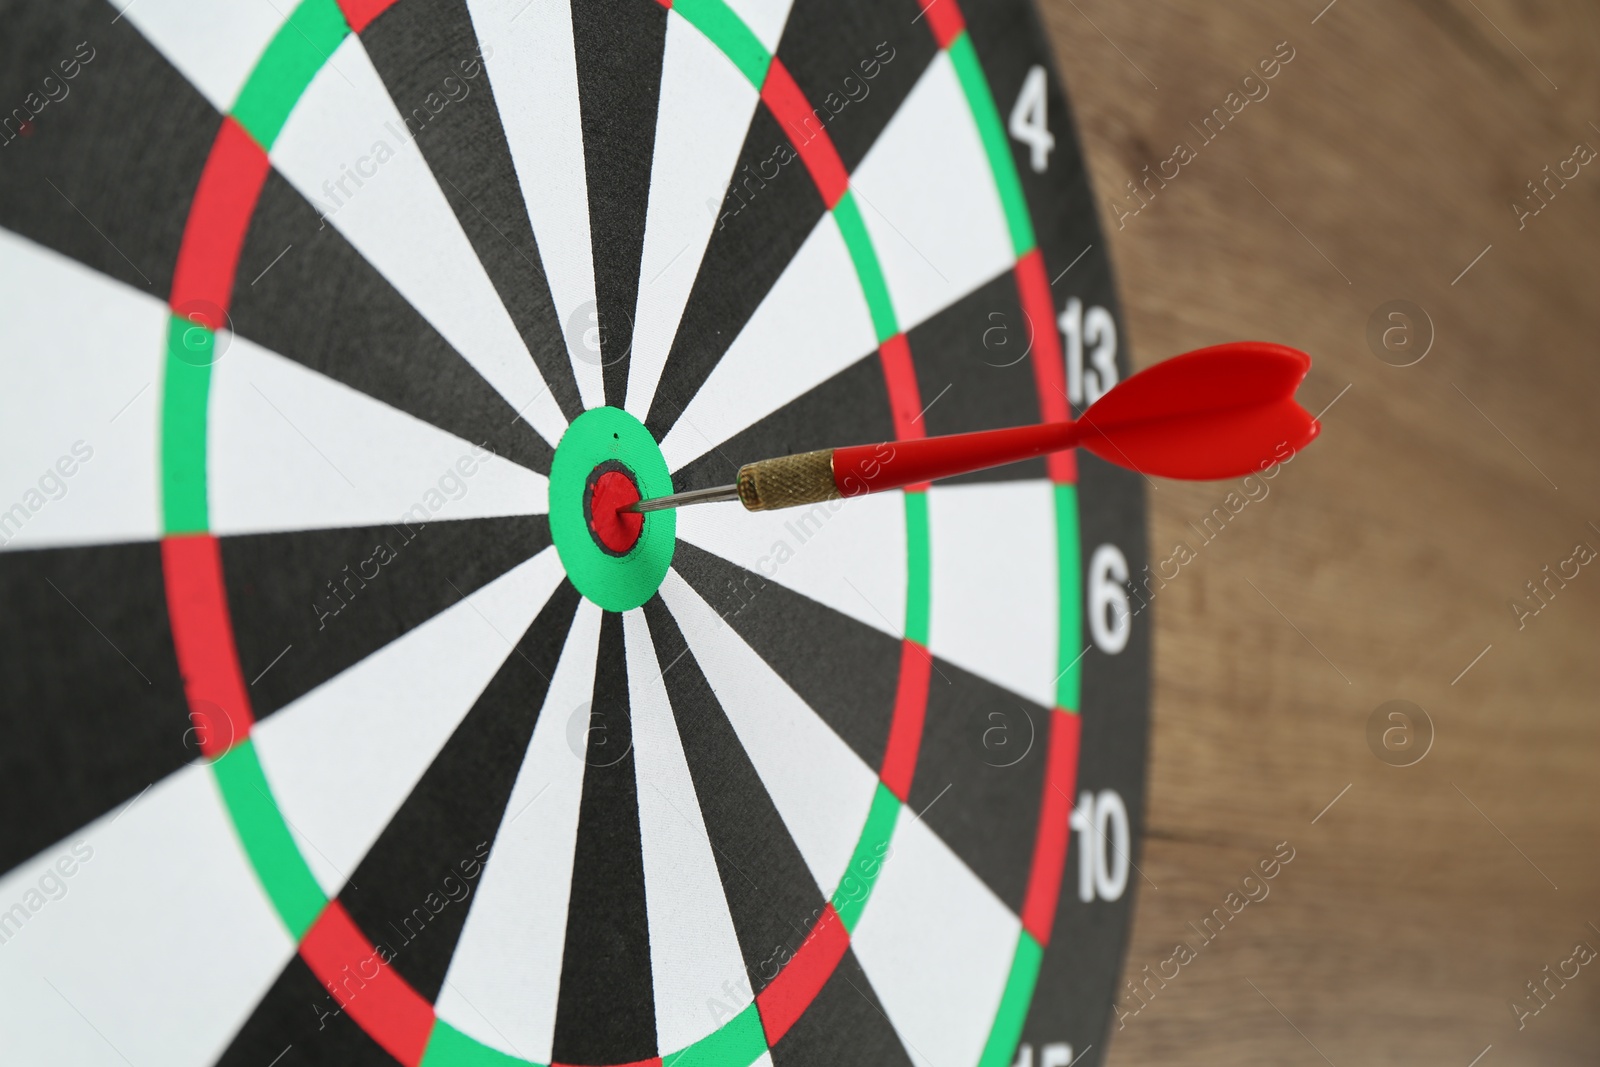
(1055, 1054)
(1102, 824)
(1095, 330)
(1110, 617)
(1030, 121)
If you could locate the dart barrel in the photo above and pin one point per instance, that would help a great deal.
(788, 481)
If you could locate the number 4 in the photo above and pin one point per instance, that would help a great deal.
(1030, 121)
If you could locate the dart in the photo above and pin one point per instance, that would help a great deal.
(1217, 412)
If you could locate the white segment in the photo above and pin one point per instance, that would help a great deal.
(215, 44)
(291, 449)
(937, 946)
(505, 976)
(812, 325)
(82, 369)
(764, 17)
(398, 218)
(532, 65)
(695, 961)
(993, 593)
(930, 202)
(706, 105)
(343, 758)
(819, 785)
(849, 555)
(160, 938)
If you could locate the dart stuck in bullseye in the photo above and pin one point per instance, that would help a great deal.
(1218, 412)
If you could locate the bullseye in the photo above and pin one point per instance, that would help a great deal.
(606, 461)
(611, 487)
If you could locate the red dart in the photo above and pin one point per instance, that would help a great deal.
(1219, 412)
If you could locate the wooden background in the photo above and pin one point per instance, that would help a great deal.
(1384, 160)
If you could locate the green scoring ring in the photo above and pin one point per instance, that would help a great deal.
(616, 583)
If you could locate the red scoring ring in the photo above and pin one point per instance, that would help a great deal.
(611, 487)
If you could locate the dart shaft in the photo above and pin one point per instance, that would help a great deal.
(864, 469)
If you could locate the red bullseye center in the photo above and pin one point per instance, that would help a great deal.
(616, 530)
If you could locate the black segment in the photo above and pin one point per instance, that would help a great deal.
(771, 896)
(770, 208)
(324, 600)
(845, 670)
(619, 85)
(606, 1010)
(300, 1024)
(850, 408)
(107, 164)
(413, 890)
(433, 66)
(975, 370)
(984, 749)
(855, 63)
(314, 299)
(845, 1024)
(94, 709)
(1075, 1001)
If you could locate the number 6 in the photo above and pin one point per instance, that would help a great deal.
(1110, 613)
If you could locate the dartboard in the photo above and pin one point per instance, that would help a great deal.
(336, 728)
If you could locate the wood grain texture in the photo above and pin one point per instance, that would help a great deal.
(1386, 558)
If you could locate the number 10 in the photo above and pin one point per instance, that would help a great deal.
(1103, 842)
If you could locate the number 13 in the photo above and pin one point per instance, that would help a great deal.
(1098, 330)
